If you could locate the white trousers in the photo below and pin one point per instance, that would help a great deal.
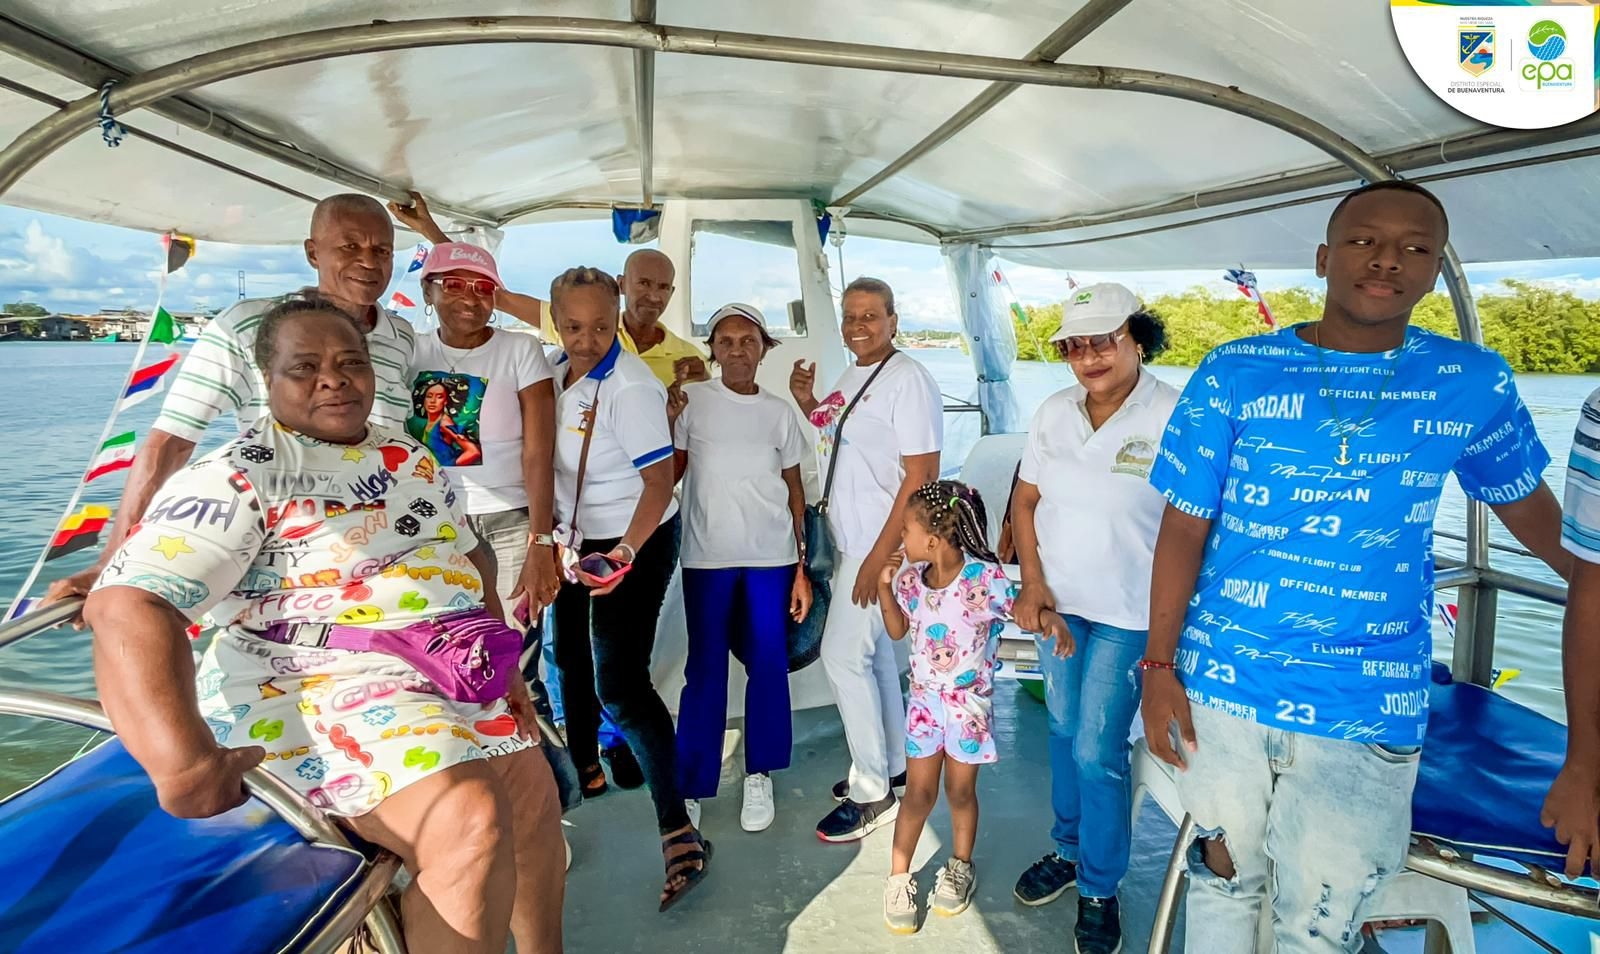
(859, 658)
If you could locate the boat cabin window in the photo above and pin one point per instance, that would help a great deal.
(750, 261)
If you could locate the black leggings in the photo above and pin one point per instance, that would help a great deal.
(613, 667)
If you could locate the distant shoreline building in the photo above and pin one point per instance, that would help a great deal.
(110, 324)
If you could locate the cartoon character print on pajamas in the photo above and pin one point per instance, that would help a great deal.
(954, 632)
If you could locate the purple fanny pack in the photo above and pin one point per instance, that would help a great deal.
(469, 655)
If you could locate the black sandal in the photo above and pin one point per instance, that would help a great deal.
(592, 781)
(680, 864)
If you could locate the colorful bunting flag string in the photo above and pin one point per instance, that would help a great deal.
(114, 455)
(398, 301)
(80, 528)
(1245, 281)
(418, 259)
(146, 383)
(78, 531)
(1017, 311)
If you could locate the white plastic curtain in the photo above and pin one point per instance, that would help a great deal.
(991, 337)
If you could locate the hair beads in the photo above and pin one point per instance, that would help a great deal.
(955, 514)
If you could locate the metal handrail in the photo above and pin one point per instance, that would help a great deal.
(1500, 547)
(367, 905)
(1534, 886)
(306, 819)
(39, 620)
(285, 802)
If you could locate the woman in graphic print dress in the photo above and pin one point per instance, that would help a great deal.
(315, 517)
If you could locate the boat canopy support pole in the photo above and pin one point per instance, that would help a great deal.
(79, 66)
(1473, 657)
(990, 334)
(1202, 200)
(644, 103)
(175, 79)
(1090, 17)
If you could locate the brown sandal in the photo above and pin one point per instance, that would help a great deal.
(592, 781)
(691, 865)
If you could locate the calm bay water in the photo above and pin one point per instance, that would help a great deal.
(61, 393)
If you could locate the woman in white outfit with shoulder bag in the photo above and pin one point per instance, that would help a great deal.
(882, 427)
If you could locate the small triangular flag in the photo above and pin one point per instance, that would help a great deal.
(163, 330)
(180, 248)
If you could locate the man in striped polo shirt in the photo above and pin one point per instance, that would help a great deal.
(352, 248)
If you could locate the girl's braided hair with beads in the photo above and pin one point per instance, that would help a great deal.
(955, 513)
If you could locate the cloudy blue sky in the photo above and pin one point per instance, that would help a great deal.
(79, 267)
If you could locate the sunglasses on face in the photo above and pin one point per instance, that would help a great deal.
(1081, 345)
(482, 287)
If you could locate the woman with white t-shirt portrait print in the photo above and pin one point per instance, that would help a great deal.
(618, 530)
(488, 390)
(1084, 517)
(738, 451)
(881, 429)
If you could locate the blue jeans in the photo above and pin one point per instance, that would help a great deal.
(1092, 696)
(744, 610)
(1333, 818)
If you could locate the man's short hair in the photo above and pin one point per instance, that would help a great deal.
(1390, 185)
(346, 203)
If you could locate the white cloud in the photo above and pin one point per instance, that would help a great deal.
(46, 257)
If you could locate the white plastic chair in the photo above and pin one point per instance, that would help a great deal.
(1406, 896)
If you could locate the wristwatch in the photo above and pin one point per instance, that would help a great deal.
(544, 540)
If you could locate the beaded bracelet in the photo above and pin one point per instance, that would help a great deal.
(1145, 665)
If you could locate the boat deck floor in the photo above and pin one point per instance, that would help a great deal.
(782, 891)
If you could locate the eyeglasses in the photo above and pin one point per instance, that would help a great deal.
(482, 287)
(1078, 345)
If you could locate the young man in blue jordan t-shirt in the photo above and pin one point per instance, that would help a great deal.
(1293, 577)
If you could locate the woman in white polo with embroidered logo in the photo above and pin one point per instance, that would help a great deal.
(1085, 517)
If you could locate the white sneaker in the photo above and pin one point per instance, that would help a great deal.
(692, 806)
(900, 904)
(953, 888)
(759, 810)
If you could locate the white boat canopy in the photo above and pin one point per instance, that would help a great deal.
(1174, 133)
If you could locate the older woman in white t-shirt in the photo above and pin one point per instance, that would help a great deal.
(887, 447)
(1084, 517)
(738, 450)
(477, 387)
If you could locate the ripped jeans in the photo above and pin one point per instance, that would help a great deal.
(1326, 820)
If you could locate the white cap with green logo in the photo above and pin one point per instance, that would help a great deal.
(1096, 310)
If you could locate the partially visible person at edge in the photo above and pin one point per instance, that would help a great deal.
(1085, 521)
(624, 512)
(470, 808)
(352, 248)
(646, 283)
(1572, 807)
(738, 451)
(890, 447)
(1292, 588)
